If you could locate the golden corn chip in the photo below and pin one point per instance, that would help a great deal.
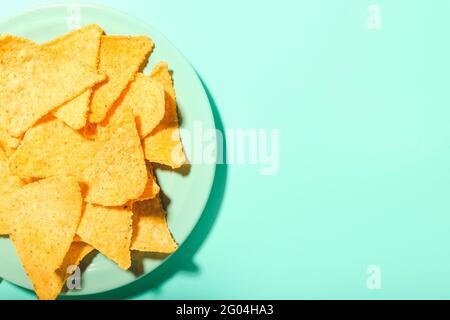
(152, 188)
(111, 169)
(146, 97)
(164, 145)
(57, 279)
(150, 230)
(108, 229)
(84, 44)
(52, 148)
(74, 113)
(8, 183)
(43, 218)
(27, 71)
(118, 172)
(120, 59)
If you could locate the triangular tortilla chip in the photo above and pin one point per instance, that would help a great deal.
(43, 218)
(118, 172)
(8, 183)
(164, 145)
(85, 43)
(111, 169)
(74, 113)
(57, 279)
(146, 97)
(150, 230)
(28, 72)
(120, 59)
(52, 148)
(152, 188)
(108, 229)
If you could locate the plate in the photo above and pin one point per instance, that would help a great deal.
(188, 194)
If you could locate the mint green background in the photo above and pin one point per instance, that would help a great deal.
(364, 175)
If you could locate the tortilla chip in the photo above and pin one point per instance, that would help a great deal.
(146, 97)
(152, 188)
(111, 169)
(52, 148)
(8, 184)
(150, 230)
(108, 229)
(74, 113)
(85, 44)
(120, 59)
(118, 172)
(164, 145)
(76, 253)
(43, 218)
(27, 72)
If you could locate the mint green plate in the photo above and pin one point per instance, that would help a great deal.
(188, 194)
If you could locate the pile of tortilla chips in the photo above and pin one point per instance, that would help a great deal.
(80, 127)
